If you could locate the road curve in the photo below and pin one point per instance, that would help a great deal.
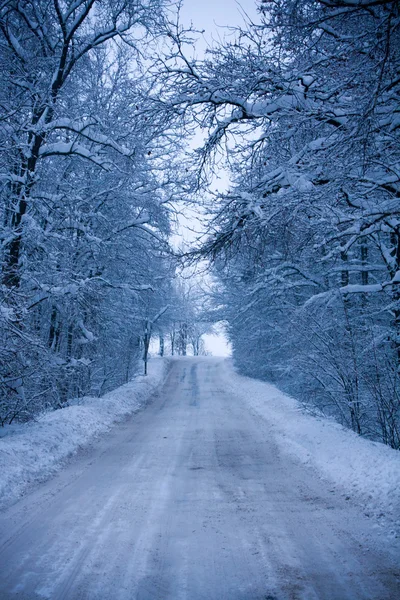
(190, 499)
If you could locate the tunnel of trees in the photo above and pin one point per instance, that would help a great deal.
(100, 102)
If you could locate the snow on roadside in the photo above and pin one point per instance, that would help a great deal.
(367, 471)
(34, 451)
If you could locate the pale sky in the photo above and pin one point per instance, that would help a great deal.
(214, 16)
(218, 345)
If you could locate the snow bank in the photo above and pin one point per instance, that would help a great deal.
(367, 471)
(34, 451)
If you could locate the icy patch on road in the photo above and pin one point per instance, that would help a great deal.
(364, 470)
(34, 451)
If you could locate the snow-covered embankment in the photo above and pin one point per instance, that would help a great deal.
(366, 471)
(34, 451)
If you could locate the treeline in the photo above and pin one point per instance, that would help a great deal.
(187, 322)
(86, 190)
(305, 244)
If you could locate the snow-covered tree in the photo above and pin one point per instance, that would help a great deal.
(85, 196)
(305, 106)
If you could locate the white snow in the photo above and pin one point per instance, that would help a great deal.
(194, 499)
(367, 471)
(32, 452)
(307, 80)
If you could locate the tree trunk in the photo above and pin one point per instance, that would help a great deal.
(162, 345)
(146, 344)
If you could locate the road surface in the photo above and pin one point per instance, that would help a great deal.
(190, 499)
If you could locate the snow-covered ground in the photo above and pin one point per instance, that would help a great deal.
(201, 496)
(367, 471)
(32, 452)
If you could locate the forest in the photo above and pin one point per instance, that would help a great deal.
(102, 106)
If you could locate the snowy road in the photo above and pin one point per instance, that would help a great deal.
(190, 499)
